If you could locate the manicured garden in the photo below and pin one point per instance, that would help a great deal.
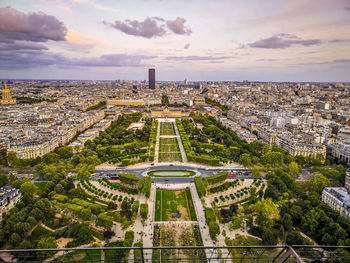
(187, 235)
(167, 128)
(169, 150)
(174, 205)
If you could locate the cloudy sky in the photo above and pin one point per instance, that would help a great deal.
(270, 40)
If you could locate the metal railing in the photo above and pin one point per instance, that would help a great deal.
(275, 254)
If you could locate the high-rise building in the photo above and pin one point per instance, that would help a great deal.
(152, 78)
(6, 97)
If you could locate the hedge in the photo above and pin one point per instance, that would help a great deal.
(128, 239)
(198, 181)
(210, 215)
(217, 178)
(130, 179)
(147, 186)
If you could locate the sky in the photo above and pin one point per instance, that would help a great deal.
(197, 40)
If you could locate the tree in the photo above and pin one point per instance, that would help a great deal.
(311, 221)
(318, 183)
(256, 172)
(21, 228)
(65, 152)
(294, 238)
(15, 239)
(28, 189)
(135, 206)
(294, 169)
(46, 242)
(51, 158)
(287, 222)
(214, 229)
(245, 159)
(18, 182)
(3, 156)
(269, 237)
(144, 210)
(266, 212)
(3, 180)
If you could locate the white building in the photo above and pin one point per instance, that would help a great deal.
(338, 199)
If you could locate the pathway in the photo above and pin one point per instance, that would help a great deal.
(207, 241)
(148, 229)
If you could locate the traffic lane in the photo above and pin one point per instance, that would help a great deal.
(172, 180)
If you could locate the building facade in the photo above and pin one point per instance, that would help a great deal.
(9, 197)
(152, 78)
(6, 98)
(338, 199)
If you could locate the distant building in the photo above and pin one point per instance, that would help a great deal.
(338, 199)
(118, 102)
(341, 150)
(152, 78)
(347, 180)
(6, 98)
(246, 135)
(9, 197)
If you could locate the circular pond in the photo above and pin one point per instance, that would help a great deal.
(171, 173)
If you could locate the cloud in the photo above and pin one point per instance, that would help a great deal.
(79, 39)
(282, 41)
(266, 59)
(341, 61)
(95, 5)
(197, 58)
(36, 57)
(35, 27)
(347, 8)
(151, 27)
(339, 41)
(187, 46)
(177, 26)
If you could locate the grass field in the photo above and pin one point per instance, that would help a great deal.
(169, 150)
(171, 173)
(167, 128)
(170, 202)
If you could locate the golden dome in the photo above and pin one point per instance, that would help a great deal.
(6, 90)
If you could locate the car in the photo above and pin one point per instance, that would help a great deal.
(171, 165)
(152, 164)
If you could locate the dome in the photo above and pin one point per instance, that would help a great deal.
(6, 90)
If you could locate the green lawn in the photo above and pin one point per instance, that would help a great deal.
(169, 157)
(175, 173)
(167, 128)
(170, 202)
(169, 150)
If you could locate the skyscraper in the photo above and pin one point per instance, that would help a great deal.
(152, 78)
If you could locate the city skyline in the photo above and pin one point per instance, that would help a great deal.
(301, 41)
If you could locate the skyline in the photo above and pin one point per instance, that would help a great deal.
(300, 41)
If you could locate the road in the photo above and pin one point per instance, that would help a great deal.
(140, 172)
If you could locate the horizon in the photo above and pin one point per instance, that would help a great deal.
(289, 41)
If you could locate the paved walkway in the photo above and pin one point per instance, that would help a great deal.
(148, 229)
